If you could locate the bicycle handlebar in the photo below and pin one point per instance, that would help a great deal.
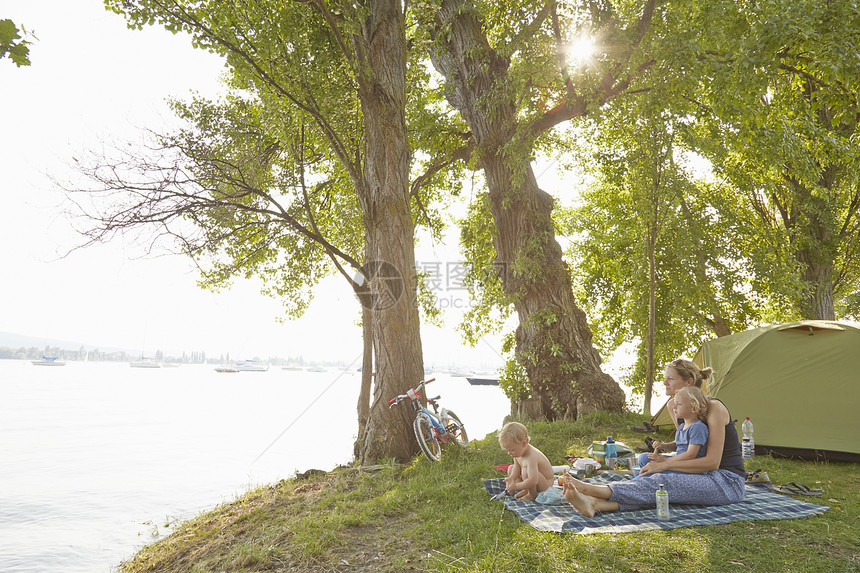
(415, 390)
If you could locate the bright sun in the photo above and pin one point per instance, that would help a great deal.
(581, 50)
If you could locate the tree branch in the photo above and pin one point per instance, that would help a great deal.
(562, 59)
(529, 29)
(167, 194)
(610, 87)
(331, 254)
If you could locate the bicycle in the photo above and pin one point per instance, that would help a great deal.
(432, 429)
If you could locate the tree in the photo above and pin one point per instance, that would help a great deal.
(653, 265)
(13, 45)
(780, 114)
(744, 93)
(333, 78)
(508, 74)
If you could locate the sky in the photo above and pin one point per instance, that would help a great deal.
(93, 82)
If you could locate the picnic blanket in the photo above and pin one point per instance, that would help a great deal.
(758, 503)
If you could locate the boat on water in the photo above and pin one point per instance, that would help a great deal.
(316, 369)
(252, 366)
(145, 363)
(459, 373)
(48, 361)
(476, 381)
(226, 368)
(291, 368)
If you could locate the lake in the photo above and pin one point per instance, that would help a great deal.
(98, 459)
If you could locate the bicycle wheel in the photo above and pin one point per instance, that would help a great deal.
(455, 428)
(426, 437)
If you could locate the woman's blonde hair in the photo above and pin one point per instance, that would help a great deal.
(698, 401)
(513, 432)
(687, 369)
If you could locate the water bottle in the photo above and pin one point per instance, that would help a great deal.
(662, 503)
(610, 454)
(748, 441)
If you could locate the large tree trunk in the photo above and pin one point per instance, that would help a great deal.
(390, 234)
(816, 252)
(817, 300)
(553, 338)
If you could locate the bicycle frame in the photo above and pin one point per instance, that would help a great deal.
(415, 399)
(435, 416)
(437, 420)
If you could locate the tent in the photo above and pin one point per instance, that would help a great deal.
(799, 383)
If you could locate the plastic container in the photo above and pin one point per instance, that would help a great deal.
(662, 503)
(611, 452)
(747, 442)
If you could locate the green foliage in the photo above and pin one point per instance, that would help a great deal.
(781, 125)
(264, 181)
(491, 307)
(646, 209)
(764, 92)
(280, 161)
(767, 91)
(264, 203)
(13, 45)
(430, 311)
(519, 63)
(514, 380)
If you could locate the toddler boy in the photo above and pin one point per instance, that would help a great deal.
(531, 472)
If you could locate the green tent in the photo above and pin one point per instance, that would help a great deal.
(799, 383)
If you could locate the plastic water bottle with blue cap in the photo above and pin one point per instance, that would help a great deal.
(610, 452)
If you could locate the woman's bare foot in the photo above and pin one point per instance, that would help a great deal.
(593, 490)
(583, 503)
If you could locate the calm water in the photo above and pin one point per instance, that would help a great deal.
(98, 459)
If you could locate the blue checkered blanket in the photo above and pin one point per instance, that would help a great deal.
(759, 503)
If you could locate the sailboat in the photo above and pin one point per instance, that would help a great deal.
(48, 361)
(252, 366)
(226, 367)
(145, 363)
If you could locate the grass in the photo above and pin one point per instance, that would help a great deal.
(436, 517)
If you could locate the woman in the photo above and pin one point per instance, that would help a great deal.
(715, 479)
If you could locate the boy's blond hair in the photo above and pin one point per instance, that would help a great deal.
(697, 399)
(513, 432)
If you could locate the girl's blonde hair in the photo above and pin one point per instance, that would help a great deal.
(698, 401)
(687, 370)
(513, 432)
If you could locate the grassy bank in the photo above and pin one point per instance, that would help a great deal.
(436, 517)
